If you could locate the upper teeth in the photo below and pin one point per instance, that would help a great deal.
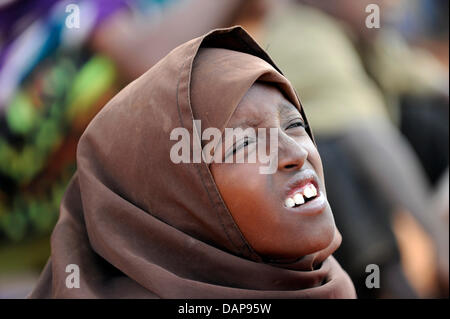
(298, 199)
(289, 202)
(309, 191)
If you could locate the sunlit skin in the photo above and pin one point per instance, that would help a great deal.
(256, 201)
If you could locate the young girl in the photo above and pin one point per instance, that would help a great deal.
(135, 224)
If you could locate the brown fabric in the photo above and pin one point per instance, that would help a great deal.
(140, 226)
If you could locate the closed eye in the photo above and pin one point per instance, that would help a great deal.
(238, 147)
(296, 124)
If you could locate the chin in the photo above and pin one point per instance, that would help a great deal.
(321, 236)
(317, 240)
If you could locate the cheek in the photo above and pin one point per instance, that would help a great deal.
(243, 190)
(238, 184)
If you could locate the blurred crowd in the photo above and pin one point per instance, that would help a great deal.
(377, 101)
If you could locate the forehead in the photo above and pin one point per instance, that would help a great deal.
(262, 102)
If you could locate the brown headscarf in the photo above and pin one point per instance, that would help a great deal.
(140, 226)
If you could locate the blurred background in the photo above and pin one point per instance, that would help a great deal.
(377, 99)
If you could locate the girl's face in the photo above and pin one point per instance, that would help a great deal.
(261, 204)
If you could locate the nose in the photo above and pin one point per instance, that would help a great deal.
(291, 155)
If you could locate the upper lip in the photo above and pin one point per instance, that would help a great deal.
(301, 179)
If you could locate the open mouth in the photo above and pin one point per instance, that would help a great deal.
(301, 195)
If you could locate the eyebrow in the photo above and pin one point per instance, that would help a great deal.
(284, 109)
(249, 122)
(287, 108)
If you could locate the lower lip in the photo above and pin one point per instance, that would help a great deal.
(314, 207)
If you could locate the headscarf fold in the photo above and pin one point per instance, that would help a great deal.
(140, 226)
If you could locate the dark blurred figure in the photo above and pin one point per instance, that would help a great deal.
(429, 110)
